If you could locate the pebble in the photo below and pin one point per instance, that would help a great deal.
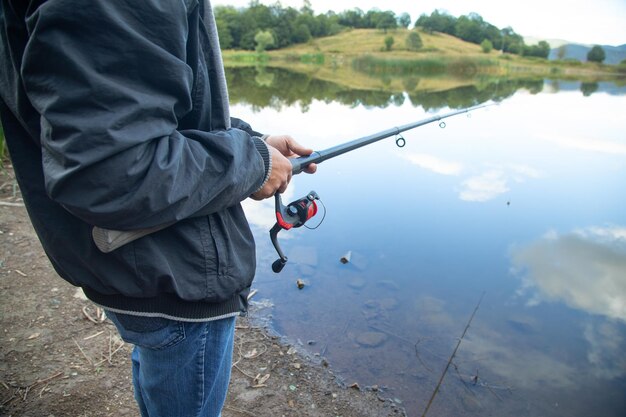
(388, 303)
(371, 339)
(357, 283)
(389, 285)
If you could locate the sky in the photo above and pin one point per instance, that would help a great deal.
(600, 22)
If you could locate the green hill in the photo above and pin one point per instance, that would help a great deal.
(358, 58)
(372, 41)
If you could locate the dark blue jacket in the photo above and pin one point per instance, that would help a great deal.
(110, 120)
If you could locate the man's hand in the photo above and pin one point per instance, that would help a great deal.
(291, 149)
(281, 148)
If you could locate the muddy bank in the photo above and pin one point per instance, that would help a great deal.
(59, 356)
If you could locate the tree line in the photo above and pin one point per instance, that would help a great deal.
(238, 27)
(264, 27)
(473, 28)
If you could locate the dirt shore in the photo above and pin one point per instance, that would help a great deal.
(59, 356)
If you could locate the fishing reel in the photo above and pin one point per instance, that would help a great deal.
(295, 214)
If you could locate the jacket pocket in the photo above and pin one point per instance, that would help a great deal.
(209, 259)
(234, 245)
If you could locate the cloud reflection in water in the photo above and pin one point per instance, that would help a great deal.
(434, 164)
(484, 187)
(495, 181)
(585, 269)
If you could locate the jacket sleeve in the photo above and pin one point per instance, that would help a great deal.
(240, 124)
(111, 82)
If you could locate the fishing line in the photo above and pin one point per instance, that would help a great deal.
(321, 221)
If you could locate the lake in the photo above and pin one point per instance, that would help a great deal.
(513, 219)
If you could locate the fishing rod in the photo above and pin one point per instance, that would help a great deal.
(296, 213)
(298, 164)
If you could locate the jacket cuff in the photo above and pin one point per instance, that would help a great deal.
(263, 149)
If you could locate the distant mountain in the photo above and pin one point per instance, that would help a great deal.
(614, 54)
(578, 51)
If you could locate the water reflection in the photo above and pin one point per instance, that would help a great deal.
(607, 345)
(575, 141)
(588, 88)
(585, 269)
(257, 86)
(480, 187)
(264, 86)
(434, 164)
(495, 181)
(424, 249)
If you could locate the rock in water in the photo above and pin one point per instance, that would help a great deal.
(371, 339)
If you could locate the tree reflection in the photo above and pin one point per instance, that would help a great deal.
(589, 88)
(263, 86)
(276, 88)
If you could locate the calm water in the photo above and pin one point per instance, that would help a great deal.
(523, 202)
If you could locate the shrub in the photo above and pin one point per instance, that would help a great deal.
(388, 43)
(486, 45)
(414, 42)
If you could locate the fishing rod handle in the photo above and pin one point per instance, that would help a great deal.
(299, 164)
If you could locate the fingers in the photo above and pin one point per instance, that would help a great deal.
(288, 146)
(281, 148)
(310, 169)
(298, 150)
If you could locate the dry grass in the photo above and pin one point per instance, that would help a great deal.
(341, 72)
(372, 41)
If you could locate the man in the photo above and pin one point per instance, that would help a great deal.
(116, 115)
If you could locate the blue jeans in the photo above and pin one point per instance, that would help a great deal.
(180, 369)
